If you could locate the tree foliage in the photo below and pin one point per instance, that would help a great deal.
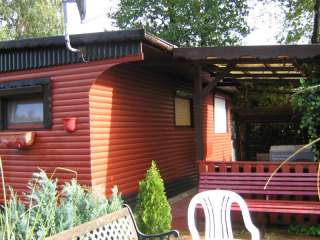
(153, 210)
(30, 18)
(298, 24)
(307, 101)
(187, 22)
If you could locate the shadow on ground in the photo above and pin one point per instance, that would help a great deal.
(271, 234)
(179, 206)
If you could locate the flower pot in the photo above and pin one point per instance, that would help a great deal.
(19, 140)
(70, 124)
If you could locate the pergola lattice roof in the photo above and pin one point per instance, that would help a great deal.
(247, 63)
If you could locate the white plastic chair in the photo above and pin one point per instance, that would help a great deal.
(217, 210)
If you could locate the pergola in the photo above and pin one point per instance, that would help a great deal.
(276, 64)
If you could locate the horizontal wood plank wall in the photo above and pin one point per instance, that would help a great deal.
(55, 147)
(217, 146)
(132, 123)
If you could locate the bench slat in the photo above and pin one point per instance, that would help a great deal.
(256, 184)
(274, 206)
(261, 187)
(261, 182)
(258, 174)
(274, 179)
(251, 184)
(262, 192)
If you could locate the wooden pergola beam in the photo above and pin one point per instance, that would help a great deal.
(303, 70)
(197, 109)
(266, 75)
(272, 59)
(261, 69)
(277, 82)
(282, 61)
(258, 52)
(219, 76)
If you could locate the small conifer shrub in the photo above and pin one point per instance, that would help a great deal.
(153, 211)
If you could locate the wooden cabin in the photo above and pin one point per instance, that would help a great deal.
(106, 114)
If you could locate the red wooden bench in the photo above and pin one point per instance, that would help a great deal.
(287, 193)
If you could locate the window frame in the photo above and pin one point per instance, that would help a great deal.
(191, 112)
(26, 89)
(214, 113)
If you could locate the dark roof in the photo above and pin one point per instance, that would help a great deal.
(83, 39)
(258, 52)
(245, 63)
(51, 51)
(265, 64)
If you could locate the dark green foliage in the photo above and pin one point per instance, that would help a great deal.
(153, 210)
(307, 101)
(30, 18)
(305, 229)
(45, 213)
(187, 22)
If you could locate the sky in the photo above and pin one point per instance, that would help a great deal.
(264, 20)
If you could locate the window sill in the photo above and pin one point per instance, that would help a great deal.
(181, 126)
(30, 126)
(17, 140)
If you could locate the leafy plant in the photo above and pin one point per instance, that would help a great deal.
(187, 22)
(305, 229)
(30, 18)
(153, 210)
(307, 101)
(46, 213)
(298, 22)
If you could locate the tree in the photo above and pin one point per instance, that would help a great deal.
(315, 33)
(30, 18)
(186, 22)
(299, 20)
(307, 101)
(153, 210)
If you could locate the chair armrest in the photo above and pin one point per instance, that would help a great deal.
(161, 236)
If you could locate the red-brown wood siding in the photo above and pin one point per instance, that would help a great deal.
(132, 123)
(217, 146)
(55, 147)
(125, 119)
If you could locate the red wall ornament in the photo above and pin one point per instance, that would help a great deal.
(70, 124)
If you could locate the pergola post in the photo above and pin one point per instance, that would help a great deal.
(197, 110)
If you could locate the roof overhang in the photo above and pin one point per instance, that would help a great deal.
(87, 39)
(247, 63)
(51, 51)
(258, 52)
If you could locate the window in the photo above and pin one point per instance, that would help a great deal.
(25, 104)
(220, 115)
(25, 111)
(183, 112)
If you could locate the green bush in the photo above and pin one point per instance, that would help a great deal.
(305, 229)
(153, 211)
(45, 213)
(306, 101)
